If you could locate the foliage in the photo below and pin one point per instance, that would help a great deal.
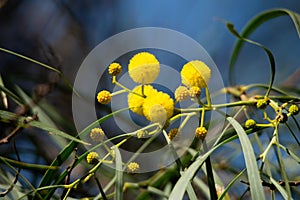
(256, 110)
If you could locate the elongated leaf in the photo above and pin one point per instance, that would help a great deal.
(181, 185)
(280, 189)
(41, 64)
(9, 116)
(253, 25)
(47, 179)
(3, 95)
(268, 52)
(230, 184)
(256, 187)
(119, 175)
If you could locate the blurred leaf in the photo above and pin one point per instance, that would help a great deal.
(253, 25)
(119, 175)
(22, 121)
(268, 52)
(13, 96)
(256, 187)
(223, 195)
(3, 95)
(280, 188)
(41, 64)
(181, 185)
(50, 175)
(24, 165)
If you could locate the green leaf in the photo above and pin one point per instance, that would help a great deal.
(256, 187)
(119, 175)
(21, 121)
(253, 25)
(230, 184)
(66, 152)
(3, 95)
(268, 52)
(41, 64)
(183, 182)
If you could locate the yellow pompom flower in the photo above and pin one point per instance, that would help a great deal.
(143, 68)
(195, 73)
(92, 157)
(114, 69)
(104, 97)
(135, 102)
(195, 92)
(97, 134)
(201, 132)
(181, 93)
(173, 133)
(158, 106)
(133, 167)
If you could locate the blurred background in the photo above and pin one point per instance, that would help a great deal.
(62, 32)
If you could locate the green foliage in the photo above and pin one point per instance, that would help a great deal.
(196, 174)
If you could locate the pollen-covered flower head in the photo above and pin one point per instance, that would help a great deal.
(114, 69)
(135, 101)
(97, 134)
(143, 68)
(158, 106)
(133, 167)
(200, 132)
(195, 92)
(181, 93)
(195, 73)
(92, 157)
(104, 97)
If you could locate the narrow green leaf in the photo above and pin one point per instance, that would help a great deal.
(41, 64)
(268, 52)
(256, 187)
(48, 178)
(119, 175)
(280, 189)
(181, 185)
(253, 25)
(3, 95)
(230, 184)
(8, 116)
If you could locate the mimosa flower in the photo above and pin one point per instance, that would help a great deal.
(195, 73)
(133, 167)
(104, 97)
(97, 134)
(200, 133)
(92, 157)
(181, 93)
(250, 123)
(143, 68)
(114, 69)
(150, 106)
(172, 133)
(135, 102)
(294, 109)
(195, 92)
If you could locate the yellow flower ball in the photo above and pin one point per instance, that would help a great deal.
(158, 106)
(104, 97)
(195, 92)
(195, 73)
(135, 102)
(114, 69)
(181, 93)
(97, 134)
(133, 167)
(143, 68)
(92, 157)
(200, 132)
